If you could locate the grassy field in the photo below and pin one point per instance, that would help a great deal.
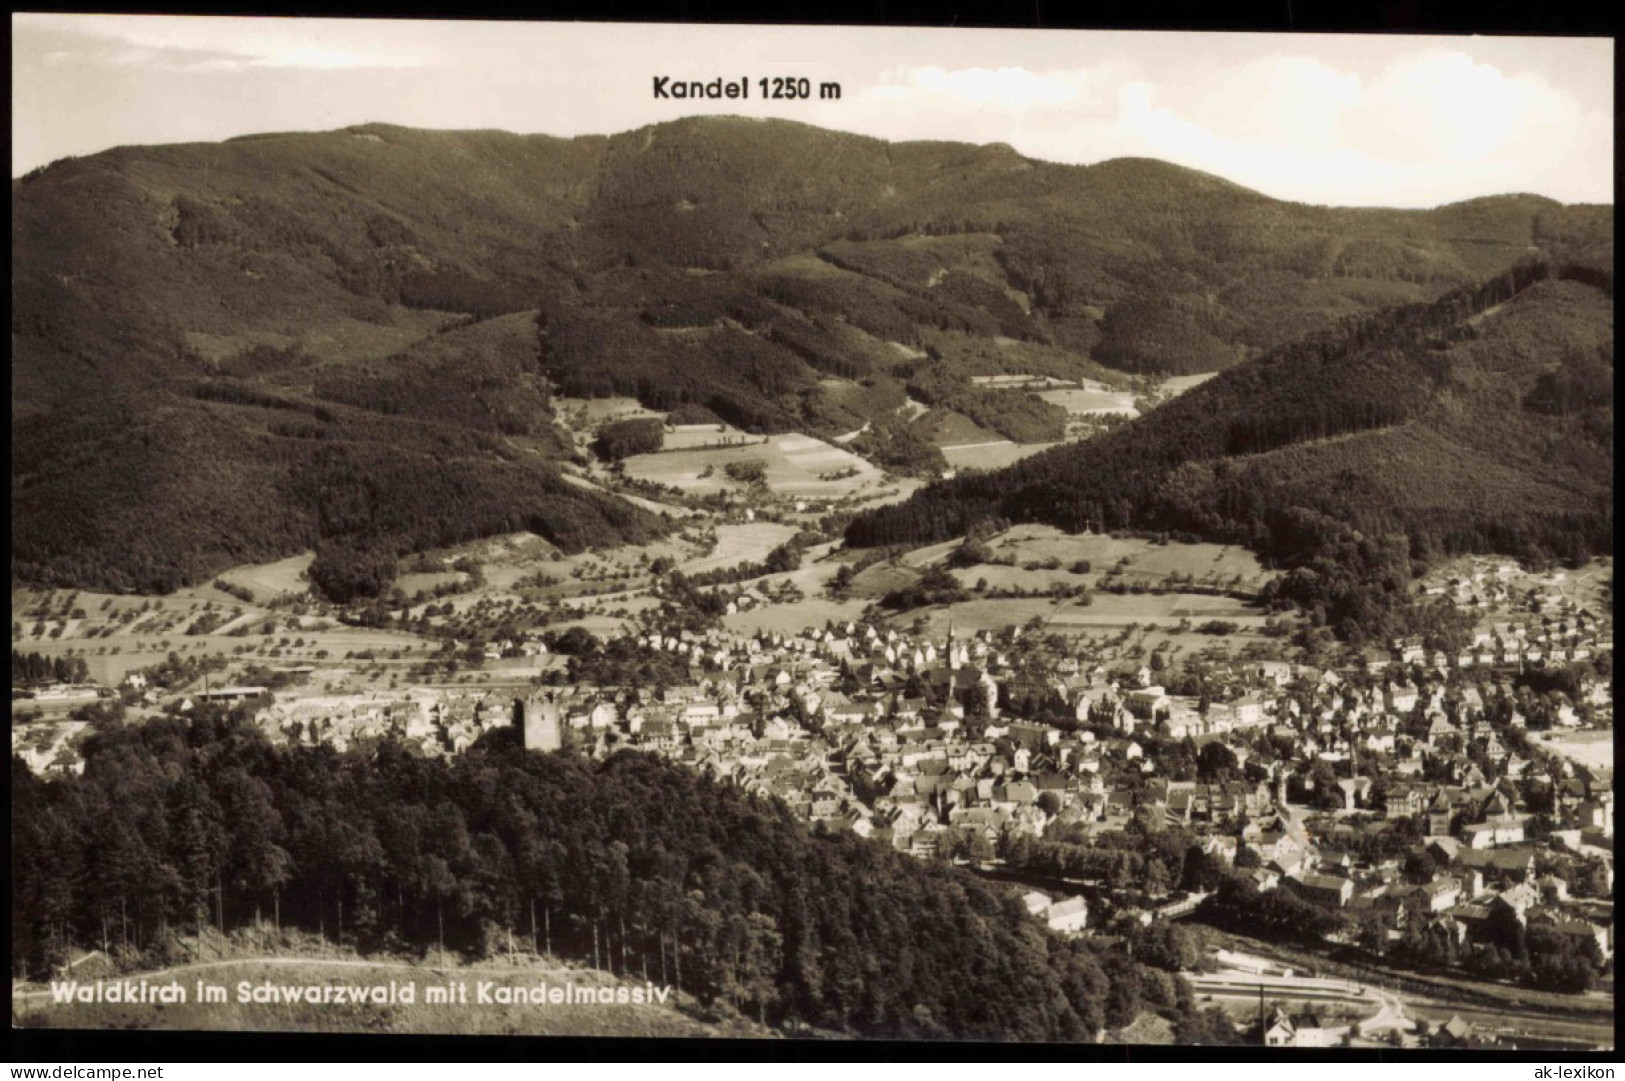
(1113, 610)
(113, 647)
(994, 455)
(1031, 549)
(1094, 399)
(591, 412)
(471, 1015)
(708, 436)
(1179, 384)
(266, 580)
(796, 465)
(946, 428)
(336, 339)
(1593, 749)
(747, 542)
(810, 614)
(414, 583)
(1152, 621)
(1205, 563)
(971, 616)
(876, 581)
(650, 505)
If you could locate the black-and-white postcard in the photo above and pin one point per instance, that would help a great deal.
(812, 532)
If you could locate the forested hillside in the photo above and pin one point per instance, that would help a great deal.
(195, 328)
(633, 863)
(1482, 421)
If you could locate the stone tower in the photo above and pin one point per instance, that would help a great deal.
(539, 723)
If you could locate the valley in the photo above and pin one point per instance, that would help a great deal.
(901, 586)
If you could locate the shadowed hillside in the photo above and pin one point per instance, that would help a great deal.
(1482, 421)
(194, 326)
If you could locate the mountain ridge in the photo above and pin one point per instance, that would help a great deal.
(190, 281)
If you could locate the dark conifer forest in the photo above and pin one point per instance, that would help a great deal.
(634, 864)
(1479, 422)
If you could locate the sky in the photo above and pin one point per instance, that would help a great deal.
(1354, 120)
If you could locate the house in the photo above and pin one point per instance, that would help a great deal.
(1444, 849)
(1582, 931)
(1068, 916)
(1280, 1032)
(1035, 903)
(1441, 894)
(1502, 865)
(1482, 835)
(1149, 703)
(1332, 891)
(1453, 1033)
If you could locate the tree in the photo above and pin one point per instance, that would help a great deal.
(1215, 762)
(624, 438)
(747, 471)
(976, 700)
(1420, 867)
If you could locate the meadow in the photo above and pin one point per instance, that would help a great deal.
(795, 465)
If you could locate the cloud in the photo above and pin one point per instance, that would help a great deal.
(1342, 119)
(1441, 104)
(999, 91)
(1429, 125)
(192, 44)
(1006, 89)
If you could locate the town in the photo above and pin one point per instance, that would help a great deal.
(1444, 810)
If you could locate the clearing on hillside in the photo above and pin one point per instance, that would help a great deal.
(795, 465)
(747, 542)
(1223, 565)
(267, 580)
(1092, 399)
(994, 455)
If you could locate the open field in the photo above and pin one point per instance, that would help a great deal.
(1179, 384)
(895, 491)
(136, 653)
(796, 465)
(1592, 749)
(267, 580)
(972, 616)
(121, 634)
(946, 428)
(694, 436)
(991, 455)
(810, 614)
(32, 1005)
(590, 412)
(650, 505)
(1113, 610)
(605, 625)
(339, 339)
(1207, 563)
(1031, 549)
(1157, 623)
(879, 579)
(747, 542)
(413, 583)
(1093, 399)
